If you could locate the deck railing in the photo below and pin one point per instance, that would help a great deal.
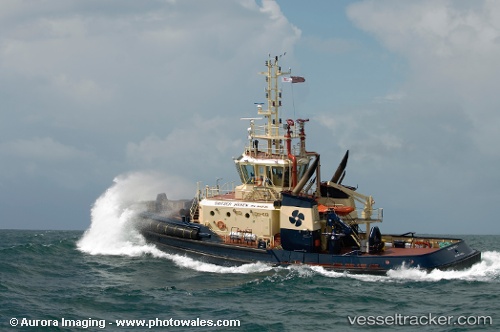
(216, 190)
(377, 215)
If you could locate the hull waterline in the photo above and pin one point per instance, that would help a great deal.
(456, 256)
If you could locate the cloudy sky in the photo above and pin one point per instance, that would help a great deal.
(93, 91)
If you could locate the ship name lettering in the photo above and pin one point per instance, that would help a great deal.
(240, 205)
(258, 206)
(223, 203)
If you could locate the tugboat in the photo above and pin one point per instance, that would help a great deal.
(283, 214)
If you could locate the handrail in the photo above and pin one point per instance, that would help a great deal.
(217, 190)
(194, 207)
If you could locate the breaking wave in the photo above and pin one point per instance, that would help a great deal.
(112, 232)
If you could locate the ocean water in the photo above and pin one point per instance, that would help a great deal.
(107, 276)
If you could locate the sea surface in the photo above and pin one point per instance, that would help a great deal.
(106, 275)
(45, 275)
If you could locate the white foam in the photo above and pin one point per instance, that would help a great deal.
(488, 269)
(333, 274)
(111, 231)
(186, 262)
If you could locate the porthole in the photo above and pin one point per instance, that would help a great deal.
(228, 214)
(247, 215)
(212, 213)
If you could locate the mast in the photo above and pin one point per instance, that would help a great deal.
(270, 160)
(273, 96)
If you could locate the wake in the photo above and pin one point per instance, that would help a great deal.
(487, 270)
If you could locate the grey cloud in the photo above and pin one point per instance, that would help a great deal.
(91, 83)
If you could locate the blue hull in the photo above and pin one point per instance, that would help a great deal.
(209, 248)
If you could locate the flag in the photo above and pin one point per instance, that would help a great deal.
(293, 79)
(297, 79)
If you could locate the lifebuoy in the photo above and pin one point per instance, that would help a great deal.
(423, 244)
(221, 225)
(259, 181)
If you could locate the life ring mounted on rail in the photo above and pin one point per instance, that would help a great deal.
(422, 244)
(221, 225)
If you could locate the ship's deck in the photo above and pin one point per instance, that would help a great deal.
(230, 196)
(389, 252)
(406, 251)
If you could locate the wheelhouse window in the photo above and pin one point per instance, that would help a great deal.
(247, 173)
(277, 175)
(260, 175)
(286, 177)
(301, 171)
